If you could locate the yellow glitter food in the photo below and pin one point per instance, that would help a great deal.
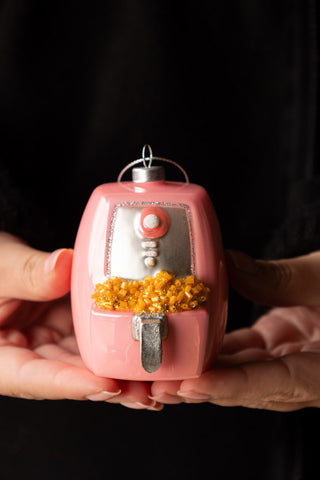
(161, 293)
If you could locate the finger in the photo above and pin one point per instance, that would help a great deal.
(70, 343)
(241, 339)
(288, 325)
(136, 395)
(55, 314)
(166, 392)
(25, 374)
(30, 274)
(294, 281)
(58, 316)
(58, 352)
(7, 307)
(285, 384)
(41, 335)
(11, 336)
(311, 347)
(244, 356)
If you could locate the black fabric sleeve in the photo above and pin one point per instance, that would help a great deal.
(18, 214)
(300, 231)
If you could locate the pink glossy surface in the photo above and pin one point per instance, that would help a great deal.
(182, 349)
(104, 338)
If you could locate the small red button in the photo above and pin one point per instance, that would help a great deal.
(153, 223)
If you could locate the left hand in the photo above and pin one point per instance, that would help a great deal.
(39, 358)
(275, 364)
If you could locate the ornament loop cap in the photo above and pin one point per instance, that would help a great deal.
(149, 173)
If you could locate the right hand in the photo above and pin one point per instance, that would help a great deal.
(275, 363)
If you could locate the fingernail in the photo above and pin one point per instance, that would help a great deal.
(102, 396)
(166, 398)
(194, 395)
(156, 398)
(135, 405)
(51, 261)
(155, 406)
(241, 262)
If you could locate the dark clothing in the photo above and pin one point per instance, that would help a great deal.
(229, 91)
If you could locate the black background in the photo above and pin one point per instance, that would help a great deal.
(224, 89)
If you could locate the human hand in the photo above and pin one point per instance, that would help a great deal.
(39, 358)
(275, 364)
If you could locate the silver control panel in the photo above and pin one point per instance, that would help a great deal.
(145, 238)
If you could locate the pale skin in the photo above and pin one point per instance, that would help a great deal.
(273, 365)
(39, 358)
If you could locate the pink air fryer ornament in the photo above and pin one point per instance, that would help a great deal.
(149, 288)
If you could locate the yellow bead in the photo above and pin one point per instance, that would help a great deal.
(161, 293)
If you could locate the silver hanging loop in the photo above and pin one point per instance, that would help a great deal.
(149, 166)
(148, 158)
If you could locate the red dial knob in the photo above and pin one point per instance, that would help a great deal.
(153, 222)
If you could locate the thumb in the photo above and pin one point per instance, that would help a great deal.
(294, 281)
(29, 274)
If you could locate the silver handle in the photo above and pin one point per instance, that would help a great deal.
(150, 330)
